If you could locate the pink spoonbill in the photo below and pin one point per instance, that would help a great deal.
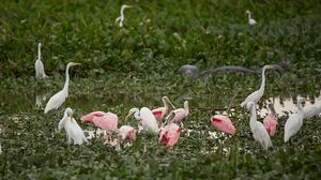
(169, 134)
(223, 123)
(178, 115)
(270, 121)
(127, 133)
(160, 112)
(107, 121)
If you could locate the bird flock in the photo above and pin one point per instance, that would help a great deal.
(166, 122)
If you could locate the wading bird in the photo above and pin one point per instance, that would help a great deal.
(147, 121)
(311, 111)
(223, 123)
(160, 112)
(258, 130)
(251, 21)
(169, 135)
(294, 122)
(107, 121)
(73, 130)
(59, 98)
(127, 134)
(178, 115)
(271, 121)
(256, 95)
(39, 67)
(120, 20)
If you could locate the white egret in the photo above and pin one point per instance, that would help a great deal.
(39, 67)
(311, 111)
(294, 122)
(251, 21)
(59, 98)
(256, 95)
(73, 130)
(146, 119)
(121, 18)
(258, 130)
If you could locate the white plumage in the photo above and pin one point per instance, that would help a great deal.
(258, 130)
(257, 95)
(74, 133)
(39, 67)
(311, 111)
(147, 119)
(294, 122)
(59, 98)
(251, 21)
(121, 18)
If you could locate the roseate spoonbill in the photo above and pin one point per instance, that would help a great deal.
(223, 123)
(256, 95)
(73, 130)
(294, 122)
(270, 121)
(121, 18)
(160, 112)
(107, 121)
(251, 21)
(127, 133)
(258, 130)
(147, 121)
(179, 114)
(39, 67)
(169, 134)
(59, 98)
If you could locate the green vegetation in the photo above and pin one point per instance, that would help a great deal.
(135, 66)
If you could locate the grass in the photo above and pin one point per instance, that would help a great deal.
(135, 66)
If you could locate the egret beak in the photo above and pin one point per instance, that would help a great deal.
(128, 115)
(167, 99)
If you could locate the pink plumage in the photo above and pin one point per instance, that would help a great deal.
(270, 123)
(169, 135)
(223, 123)
(179, 115)
(159, 113)
(107, 121)
(127, 133)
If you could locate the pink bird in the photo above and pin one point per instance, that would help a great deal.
(223, 123)
(179, 114)
(169, 135)
(107, 121)
(127, 133)
(270, 121)
(160, 112)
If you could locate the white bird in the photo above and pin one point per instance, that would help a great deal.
(39, 67)
(147, 121)
(0, 149)
(311, 111)
(73, 130)
(59, 98)
(121, 18)
(258, 130)
(256, 95)
(251, 21)
(294, 122)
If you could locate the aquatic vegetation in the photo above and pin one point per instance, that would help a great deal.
(135, 65)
